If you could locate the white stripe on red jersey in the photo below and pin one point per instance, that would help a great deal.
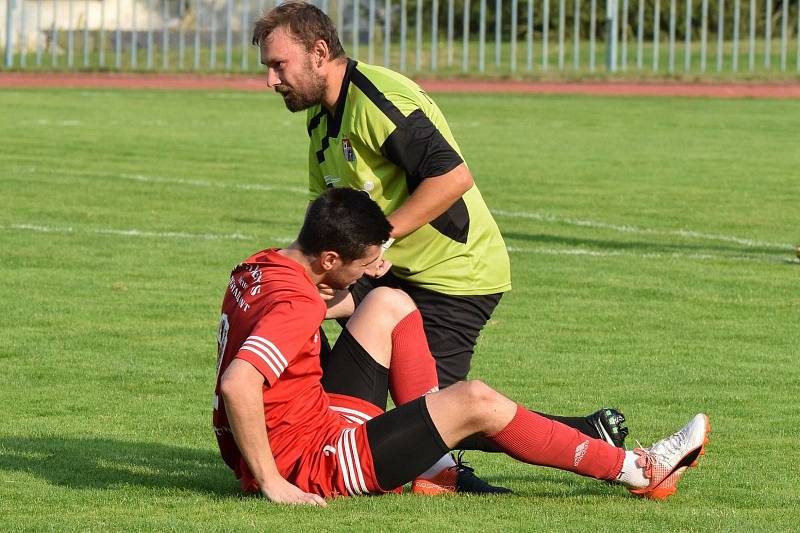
(276, 362)
(351, 414)
(272, 347)
(264, 357)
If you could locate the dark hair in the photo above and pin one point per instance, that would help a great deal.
(306, 23)
(345, 221)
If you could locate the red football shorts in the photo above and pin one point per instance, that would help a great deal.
(341, 463)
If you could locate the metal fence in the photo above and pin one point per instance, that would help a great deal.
(475, 37)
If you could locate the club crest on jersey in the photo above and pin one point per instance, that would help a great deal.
(347, 149)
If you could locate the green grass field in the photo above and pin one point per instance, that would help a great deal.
(653, 266)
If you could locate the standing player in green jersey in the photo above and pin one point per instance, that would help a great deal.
(375, 130)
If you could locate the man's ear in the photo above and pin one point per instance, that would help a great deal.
(328, 260)
(320, 53)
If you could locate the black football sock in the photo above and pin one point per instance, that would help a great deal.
(581, 423)
(480, 442)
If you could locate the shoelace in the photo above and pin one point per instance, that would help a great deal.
(668, 446)
(462, 465)
(660, 452)
(470, 482)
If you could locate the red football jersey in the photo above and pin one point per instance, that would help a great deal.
(271, 315)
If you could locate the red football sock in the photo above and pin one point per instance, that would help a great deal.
(412, 371)
(534, 439)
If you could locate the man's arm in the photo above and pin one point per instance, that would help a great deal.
(339, 301)
(241, 388)
(431, 198)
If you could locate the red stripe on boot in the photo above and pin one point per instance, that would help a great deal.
(537, 440)
(412, 371)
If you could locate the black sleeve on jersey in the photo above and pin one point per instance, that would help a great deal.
(419, 148)
(454, 222)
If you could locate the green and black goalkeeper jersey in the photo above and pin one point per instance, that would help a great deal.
(384, 138)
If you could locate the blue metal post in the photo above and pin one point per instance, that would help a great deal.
(10, 5)
(403, 34)
(465, 51)
(592, 32)
(576, 35)
(149, 34)
(656, 34)
(513, 36)
(720, 34)
(482, 38)
(134, 41)
(529, 37)
(387, 33)
(70, 34)
(244, 31)
(640, 36)
(229, 35)
(562, 8)
(164, 36)
(498, 30)
(451, 22)
(118, 39)
(356, 11)
(102, 51)
(86, 33)
(545, 34)
(611, 35)
(418, 38)
(371, 32)
(434, 35)
(687, 46)
(767, 32)
(23, 36)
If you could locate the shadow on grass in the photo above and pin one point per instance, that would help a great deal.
(649, 246)
(99, 463)
(547, 486)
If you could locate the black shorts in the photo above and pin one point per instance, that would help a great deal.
(452, 323)
(404, 441)
(350, 370)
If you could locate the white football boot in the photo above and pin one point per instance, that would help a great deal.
(666, 461)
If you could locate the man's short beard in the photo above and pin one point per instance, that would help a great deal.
(311, 96)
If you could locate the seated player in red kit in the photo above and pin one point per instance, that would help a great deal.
(298, 436)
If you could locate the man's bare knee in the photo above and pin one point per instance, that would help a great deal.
(392, 302)
(480, 392)
(469, 407)
(479, 400)
(375, 319)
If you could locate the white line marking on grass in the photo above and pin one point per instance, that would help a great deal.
(634, 229)
(48, 122)
(281, 239)
(140, 233)
(652, 255)
(173, 181)
(542, 217)
(564, 251)
(202, 183)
